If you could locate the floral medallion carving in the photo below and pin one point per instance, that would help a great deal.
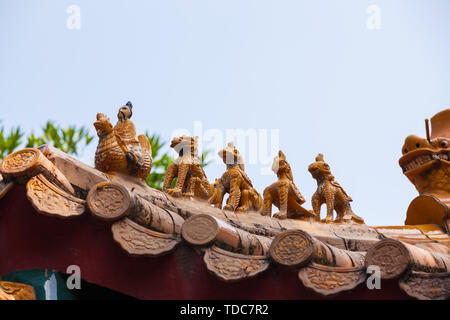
(109, 201)
(391, 256)
(19, 161)
(200, 229)
(292, 248)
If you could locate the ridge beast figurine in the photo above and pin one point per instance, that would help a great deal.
(284, 193)
(331, 193)
(243, 197)
(118, 149)
(425, 162)
(187, 168)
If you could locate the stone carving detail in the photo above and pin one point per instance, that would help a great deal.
(230, 266)
(16, 291)
(140, 241)
(426, 286)
(48, 199)
(330, 280)
(291, 248)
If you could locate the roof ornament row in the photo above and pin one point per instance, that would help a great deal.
(119, 150)
(424, 162)
(148, 222)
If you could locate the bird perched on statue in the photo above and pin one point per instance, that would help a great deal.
(119, 150)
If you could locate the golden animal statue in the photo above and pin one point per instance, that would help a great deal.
(118, 149)
(187, 168)
(331, 193)
(284, 194)
(426, 164)
(242, 196)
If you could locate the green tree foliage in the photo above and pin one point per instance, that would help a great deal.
(9, 141)
(160, 162)
(69, 140)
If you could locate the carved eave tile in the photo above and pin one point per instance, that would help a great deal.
(426, 286)
(23, 164)
(137, 240)
(48, 199)
(229, 266)
(331, 280)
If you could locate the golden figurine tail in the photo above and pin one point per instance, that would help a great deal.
(145, 143)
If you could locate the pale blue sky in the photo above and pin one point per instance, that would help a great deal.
(309, 68)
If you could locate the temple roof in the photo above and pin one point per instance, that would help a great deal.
(329, 258)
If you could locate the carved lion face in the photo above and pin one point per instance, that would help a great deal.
(426, 163)
(419, 154)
